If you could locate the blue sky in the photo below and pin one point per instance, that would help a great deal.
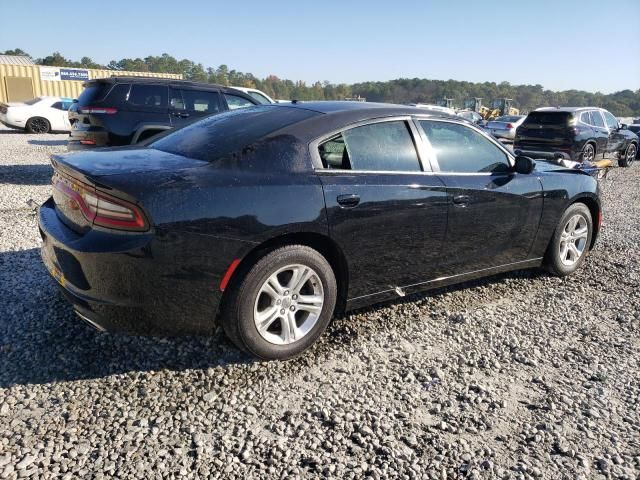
(591, 45)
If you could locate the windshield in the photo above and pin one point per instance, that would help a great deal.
(220, 135)
(548, 118)
(508, 118)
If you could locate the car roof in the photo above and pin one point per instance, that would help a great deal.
(565, 109)
(368, 109)
(136, 79)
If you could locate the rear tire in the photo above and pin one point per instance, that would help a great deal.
(570, 242)
(628, 156)
(588, 153)
(38, 125)
(282, 305)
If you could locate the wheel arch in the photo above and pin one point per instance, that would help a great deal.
(324, 244)
(26, 124)
(595, 209)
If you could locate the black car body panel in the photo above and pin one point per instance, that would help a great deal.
(564, 131)
(407, 232)
(120, 111)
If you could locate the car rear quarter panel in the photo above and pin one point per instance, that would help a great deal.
(560, 191)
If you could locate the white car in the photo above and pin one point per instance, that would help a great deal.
(259, 95)
(39, 115)
(437, 108)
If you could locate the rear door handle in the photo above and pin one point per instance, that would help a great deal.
(461, 200)
(348, 200)
(180, 114)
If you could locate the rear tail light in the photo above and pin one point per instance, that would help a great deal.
(102, 209)
(509, 125)
(105, 110)
(87, 142)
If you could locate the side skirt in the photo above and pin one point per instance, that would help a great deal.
(385, 295)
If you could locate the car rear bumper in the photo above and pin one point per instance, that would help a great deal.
(538, 152)
(116, 283)
(502, 133)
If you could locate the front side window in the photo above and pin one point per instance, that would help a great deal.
(596, 119)
(612, 122)
(148, 95)
(235, 102)
(460, 149)
(385, 146)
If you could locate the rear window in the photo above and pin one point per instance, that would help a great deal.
(94, 93)
(548, 118)
(508, 118)
(217, 136)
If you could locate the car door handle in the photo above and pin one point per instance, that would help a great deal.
(180, 114)
(348, 200)
(461, 200)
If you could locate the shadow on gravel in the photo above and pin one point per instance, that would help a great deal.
(43, 341)
(48, 143)
(26, 174)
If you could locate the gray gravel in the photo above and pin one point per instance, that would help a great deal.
(518, 376)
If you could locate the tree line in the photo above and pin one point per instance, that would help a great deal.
(625, 103)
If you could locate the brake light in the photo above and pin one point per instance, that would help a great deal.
(105, 110)
(102, 209)
(87, 142)
(509, 125)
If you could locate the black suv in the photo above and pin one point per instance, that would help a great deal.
(576, 133)
(126, 110)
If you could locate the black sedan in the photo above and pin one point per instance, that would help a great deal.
(272, 218)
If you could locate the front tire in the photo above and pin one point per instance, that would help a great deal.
(282, 305)
(38, 125)
(629, 155)
(570, 242)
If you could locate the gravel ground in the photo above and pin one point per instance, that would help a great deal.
(518, 376)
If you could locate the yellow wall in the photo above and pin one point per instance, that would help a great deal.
(62, 88)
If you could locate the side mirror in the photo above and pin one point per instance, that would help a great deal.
(623, 126)
(524, 165)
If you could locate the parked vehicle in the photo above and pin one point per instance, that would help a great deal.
(275, 217)
(127, 110)
(505, 126)
(472, 116)
(39, 115)
(258, 95)
(576, 133)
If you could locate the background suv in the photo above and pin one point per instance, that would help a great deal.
(578, 133)
(126, 110)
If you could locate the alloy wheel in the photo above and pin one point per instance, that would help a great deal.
(573, 240)
(588, 153)
(288, 304)
(38, 125)
(631, 154)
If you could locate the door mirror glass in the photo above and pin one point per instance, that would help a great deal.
(524, 165)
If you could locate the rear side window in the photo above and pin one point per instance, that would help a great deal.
(460, 149)
(596, 119)
(235, 102)
(560, 119)
(148, 95)
(585, 117)
(57, 106)
(230, 132)
(259, 97)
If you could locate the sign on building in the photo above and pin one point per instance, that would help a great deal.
(57, 74)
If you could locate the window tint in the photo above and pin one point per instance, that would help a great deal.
(334, 154)
(66, 105)
(386, 146)
(548, 118)
(230, 132)
(612, 122)
(194, 100)
(118, 93)
(585, 117)
(148, 95)
(459, 149)
(596, 118)
(235, 102)
(57, 105)
(94, 93)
